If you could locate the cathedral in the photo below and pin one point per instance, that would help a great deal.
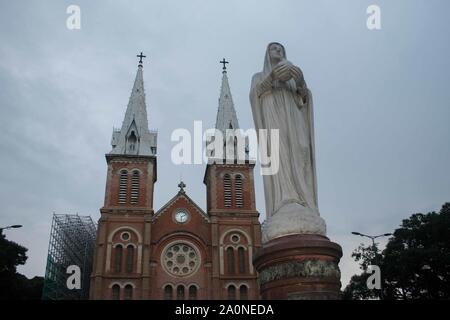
(178, 251)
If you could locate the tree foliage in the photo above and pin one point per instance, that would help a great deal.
(13, 285)
(415, 263)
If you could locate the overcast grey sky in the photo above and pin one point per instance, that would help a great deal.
(381, 102)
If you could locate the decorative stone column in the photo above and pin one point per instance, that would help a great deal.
(299, 267)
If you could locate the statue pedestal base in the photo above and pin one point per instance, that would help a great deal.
(299, 267)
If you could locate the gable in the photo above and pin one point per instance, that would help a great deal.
(172, 205)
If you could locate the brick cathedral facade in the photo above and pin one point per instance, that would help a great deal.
(178, 251)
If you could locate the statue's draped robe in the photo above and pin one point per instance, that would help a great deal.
(278, 105)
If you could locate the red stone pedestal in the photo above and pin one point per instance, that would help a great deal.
(299, 267)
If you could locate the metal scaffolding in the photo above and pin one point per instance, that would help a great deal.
(72, 242)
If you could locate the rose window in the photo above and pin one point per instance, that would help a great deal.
(180, 259)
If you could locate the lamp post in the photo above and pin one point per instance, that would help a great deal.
(372, 237)
(14, 226)
(374, 249)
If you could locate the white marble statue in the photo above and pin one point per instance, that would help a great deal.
(281, 100)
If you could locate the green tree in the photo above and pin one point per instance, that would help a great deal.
(417, 258)
(415, 263)
(13, 285)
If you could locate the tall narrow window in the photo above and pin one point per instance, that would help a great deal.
(123, 187)
(118, 258)
(192, 292)
(115, 292)
(241, 260)
(231, 292)
(230, 260)
(132, 142)
(227, 190)
(238, 192)
(243, 292)
(180, 292)
(168, 292)
(135, 187)
(130, 258)
(128, 292)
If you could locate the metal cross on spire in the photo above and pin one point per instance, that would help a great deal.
(224, 62)
(140, 56)
(181, 185)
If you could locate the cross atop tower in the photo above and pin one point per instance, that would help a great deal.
(224, 62)
(181, 185)
(140, 56)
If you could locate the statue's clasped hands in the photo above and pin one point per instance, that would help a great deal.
(285, 70)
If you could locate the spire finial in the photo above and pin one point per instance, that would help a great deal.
(181, 185)
(224, 62)
(140, 56)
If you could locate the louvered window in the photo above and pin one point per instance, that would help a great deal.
(123, 186)
(227, 190)
(135, 187)
(238, 192)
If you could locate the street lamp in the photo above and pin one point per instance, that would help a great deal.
(374, 249)
(372, 237)
(14, 226)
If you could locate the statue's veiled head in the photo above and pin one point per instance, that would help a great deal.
(274, 54)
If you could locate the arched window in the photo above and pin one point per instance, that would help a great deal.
(115, 292)
(230, 260)
(241, 260)
(238, 191)
(180, 292)
(227, 190)
(118, 258)
(128, 292)
(135, 187)
(130, 258)
(192, 292)
(168, 292)
(123, 187)
(243, 292)
(231, 292)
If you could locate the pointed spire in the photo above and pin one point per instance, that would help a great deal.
(226, 114)
(134, 137)
(226, 120)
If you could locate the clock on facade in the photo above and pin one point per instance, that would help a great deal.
(181, 216)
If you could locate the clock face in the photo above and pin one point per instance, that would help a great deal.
(181, 216)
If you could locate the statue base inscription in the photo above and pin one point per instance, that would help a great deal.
(299, 267)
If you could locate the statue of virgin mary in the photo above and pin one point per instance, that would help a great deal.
(281, 100)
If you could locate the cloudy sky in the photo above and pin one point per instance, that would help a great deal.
(381, 102)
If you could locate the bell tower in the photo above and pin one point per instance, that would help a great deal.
(231, 206)
(123, 235)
